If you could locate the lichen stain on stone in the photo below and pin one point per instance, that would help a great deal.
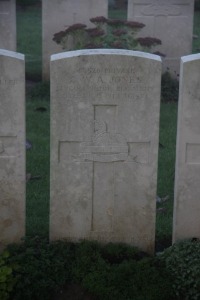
(1, 148)
(7, 223)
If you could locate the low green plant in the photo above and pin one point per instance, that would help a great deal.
(107, 33)
(43, 268)
(112, 271)
(118, 271)
(182, 262)
(7, 280)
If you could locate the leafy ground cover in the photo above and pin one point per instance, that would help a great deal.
(61, 270)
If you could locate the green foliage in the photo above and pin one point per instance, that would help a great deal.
(42, 268)
(169, 88)
(108, 33)
(7, 280)
(119, 272)
(182, 261)
(130, 279)
(110, 271)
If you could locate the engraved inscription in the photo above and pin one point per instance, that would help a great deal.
(115, 84)
(161, 10)
(192, 153)
(9, 82)
(106, 148)
(103, 196)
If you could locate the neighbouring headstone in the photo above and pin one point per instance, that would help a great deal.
(171, 21)
(12, 147)
(187, 187)
(8, 25)
(58, 15)
(104, 146)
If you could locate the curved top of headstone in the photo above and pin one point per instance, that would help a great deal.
(77, 53)
(191, 57)
(13, 54)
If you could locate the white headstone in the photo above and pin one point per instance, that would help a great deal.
(187, 187)
(104, 146)
(8, 25)
(171, 21)
(12, 147)
(59, 15)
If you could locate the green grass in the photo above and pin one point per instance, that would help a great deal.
(29, 42)
(37, 125)
(166, 169)
(117, 14)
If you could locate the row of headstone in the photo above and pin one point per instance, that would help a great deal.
(57, 16)
(104, 147)
(12, 147)
(171, 22)
(8, 24)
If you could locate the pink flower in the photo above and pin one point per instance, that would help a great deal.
(115, 22)
(95, 32)
(133, 24)
(100, 19)
(59, 36)
(148, 41)
(119, 32)
(75, 27)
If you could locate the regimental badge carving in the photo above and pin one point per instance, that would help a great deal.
(105, 146)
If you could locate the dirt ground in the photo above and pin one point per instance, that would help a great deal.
(73, 292)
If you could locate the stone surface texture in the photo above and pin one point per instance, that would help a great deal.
(187, 187)
(12, 147)
(104, 146)
(8, 25)
(171, 21)
(58, 15)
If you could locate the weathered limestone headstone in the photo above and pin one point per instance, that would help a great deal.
(58, 15)
(12, 147)
(171, 21)
(8, 25)
(187, 186)
(104, 142)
